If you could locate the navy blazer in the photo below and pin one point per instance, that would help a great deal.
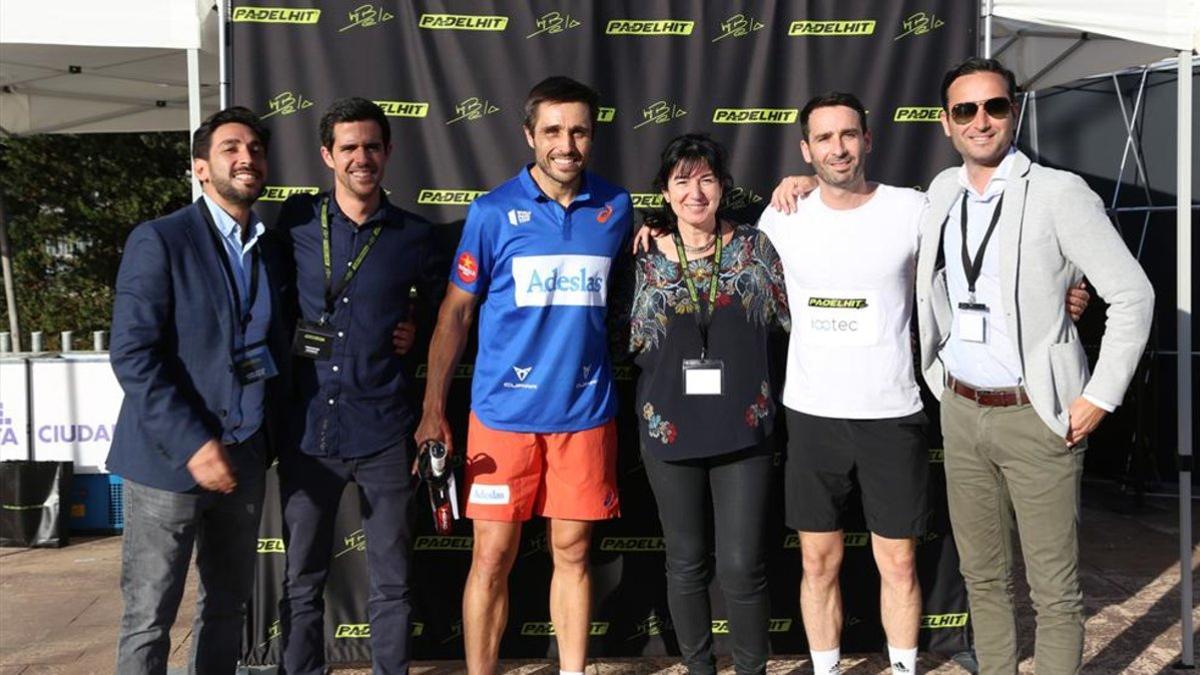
(172, 344)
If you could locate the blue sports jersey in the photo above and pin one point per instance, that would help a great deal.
(543, 363)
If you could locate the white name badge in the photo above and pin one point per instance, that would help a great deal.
(838, 318)
(703, 377)
(544, 280)
(972, 322)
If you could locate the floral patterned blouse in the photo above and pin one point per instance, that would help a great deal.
(661, 331)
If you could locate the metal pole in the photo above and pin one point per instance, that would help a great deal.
(1033, 127)
(222, 49)
(1183, 313)
(193, 75)
(10, 297)
(987, 29)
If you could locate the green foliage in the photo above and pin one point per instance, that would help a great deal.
(70, 203)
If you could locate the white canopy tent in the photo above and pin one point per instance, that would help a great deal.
(81, 66)
(1051, 42)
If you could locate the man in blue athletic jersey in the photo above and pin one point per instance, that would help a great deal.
(540, 249)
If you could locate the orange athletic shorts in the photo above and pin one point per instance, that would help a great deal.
(512, 475)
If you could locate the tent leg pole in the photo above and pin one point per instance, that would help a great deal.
(193, 76)
(1183, 289)
(10, 298)
(987, 29)
(223, 52)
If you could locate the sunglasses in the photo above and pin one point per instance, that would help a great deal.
(997, 108)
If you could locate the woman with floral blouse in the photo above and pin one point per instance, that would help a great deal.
(705, 297)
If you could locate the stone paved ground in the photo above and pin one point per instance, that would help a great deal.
(59, 608)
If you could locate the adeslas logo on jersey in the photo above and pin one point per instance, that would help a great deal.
(543, 280)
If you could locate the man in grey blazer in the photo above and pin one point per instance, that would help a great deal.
(1000, 352)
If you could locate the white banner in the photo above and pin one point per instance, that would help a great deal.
(76, 400)
(14, 409)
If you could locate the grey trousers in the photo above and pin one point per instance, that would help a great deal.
(1000, 463)
(161, 528)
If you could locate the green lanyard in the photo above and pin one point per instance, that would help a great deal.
(332, 292)
(703, 318)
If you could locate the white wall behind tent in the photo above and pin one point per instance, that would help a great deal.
(81, 66)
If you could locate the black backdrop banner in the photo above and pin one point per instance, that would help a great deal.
(452, 77)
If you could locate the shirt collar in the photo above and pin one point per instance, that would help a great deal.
(995, 184)
(533, 191)
(229, 228)
(383, 213)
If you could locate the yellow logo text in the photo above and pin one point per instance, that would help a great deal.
(432, 543)
(646, 200)
(755, 115)
(633, 544)
(355, 631)
(448, 197)
(367, 16)
(606, 114)
(462, 22)
(738, 25)
(919, 24)
(545, 628)
(275, 15)
(404, 108)
(934, 621)
(831, 28)
(552, 23)
(917, 114)
(278, 193)
(850, 539)
(270, 545)
(662, 27)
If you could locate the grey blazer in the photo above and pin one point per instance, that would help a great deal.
(1053, 231)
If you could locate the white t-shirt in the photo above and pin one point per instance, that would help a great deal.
(849, 277)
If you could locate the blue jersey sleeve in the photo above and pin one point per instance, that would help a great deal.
(472, 269)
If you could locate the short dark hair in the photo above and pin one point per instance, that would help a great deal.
(978, 64)
(202, 136)
(560, 89)
(353, 109)
(829, 100)
(688, 152)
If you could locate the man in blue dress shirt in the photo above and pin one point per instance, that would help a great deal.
(198, 344)
(356, 259)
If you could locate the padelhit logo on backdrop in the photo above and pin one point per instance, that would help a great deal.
(278, 193)
(633, 544)
(572, 280)
(646, 200)
(355, 541)
(435, 543)
(755, 115)
(287, 103)
(270, 545)
(366, 16)
(649, 28)
(849, 539)
(434, 197)
(917, 114)
(462, 22)
(464, 371)
(831, 28)
(738, 25)
(404, 108)
(740, 198)
(546, 628)
(606, 114)
(553, 23)
(934, 621)
(660, 112)
(274, 15)
(721, 626)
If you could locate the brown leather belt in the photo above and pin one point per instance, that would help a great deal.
(992, 398)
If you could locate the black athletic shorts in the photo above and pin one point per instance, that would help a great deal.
(889, 458)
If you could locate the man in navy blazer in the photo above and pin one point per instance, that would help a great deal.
(198, 341)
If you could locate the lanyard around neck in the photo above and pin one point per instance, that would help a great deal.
(334, 291)
(704, 314)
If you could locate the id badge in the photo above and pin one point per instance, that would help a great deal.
(703, 377)
(254, 364)
(972, 322)
(313, 341)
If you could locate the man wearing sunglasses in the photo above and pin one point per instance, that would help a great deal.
(1001, 353)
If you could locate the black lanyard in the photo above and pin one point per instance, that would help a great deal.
(704, 315)
(333, 292)
(243, 317)
(973, 268)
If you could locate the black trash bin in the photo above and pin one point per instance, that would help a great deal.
(33, 503)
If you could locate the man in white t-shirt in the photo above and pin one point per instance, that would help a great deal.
(852, 403)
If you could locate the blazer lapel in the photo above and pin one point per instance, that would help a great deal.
(210, 267)
(1011, 221)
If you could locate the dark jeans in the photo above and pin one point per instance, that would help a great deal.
(161, 528)
(729, 491)
(311, 488)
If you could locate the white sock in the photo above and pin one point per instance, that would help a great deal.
(570, 672)
(826, 662)
(902, 660)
